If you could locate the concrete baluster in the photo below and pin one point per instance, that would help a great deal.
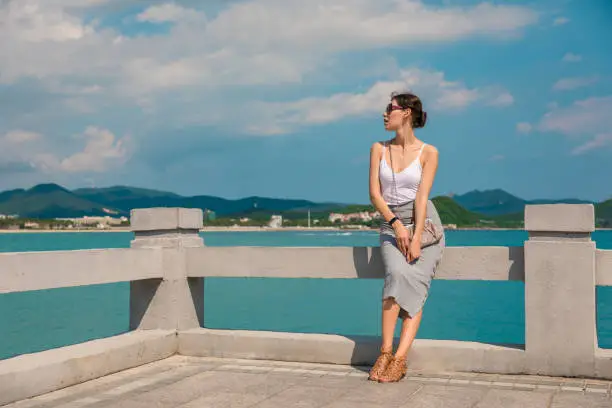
(560, 327)
(174, 302)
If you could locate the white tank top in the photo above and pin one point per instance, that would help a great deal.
(407, 181)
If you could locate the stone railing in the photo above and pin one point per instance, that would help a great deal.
(168, 264)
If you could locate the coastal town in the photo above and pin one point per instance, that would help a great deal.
(12, 222)
(353, 220)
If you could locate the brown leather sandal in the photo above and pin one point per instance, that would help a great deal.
(396, 370)
(380, 365)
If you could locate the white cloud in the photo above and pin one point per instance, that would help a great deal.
(361, 23)
(169, 12)
(102, 151)
(561, 21)
(524, 127)
(503, 99)
(599, 141)
(247, 42)
(436, 92)
(570, 57)
(584, 117)
(497, 157)
(185, 74)
(30, 21)
(568, 84)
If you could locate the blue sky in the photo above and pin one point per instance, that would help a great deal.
(284, 98)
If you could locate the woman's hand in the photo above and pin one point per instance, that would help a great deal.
(401, 237)
(414, 250)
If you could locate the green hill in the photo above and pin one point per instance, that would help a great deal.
(53, 201)
(603, 214)
(452, 213)
(500, 202)
(48, 201)
(109, 195)
(491, 202)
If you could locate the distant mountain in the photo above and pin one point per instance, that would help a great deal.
(491, 202)
(117, 193)
(126, 198)
(500, 202)
(49, 201)
(53, 201)
(452, 212)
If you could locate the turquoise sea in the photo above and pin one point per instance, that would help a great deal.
(458, 310)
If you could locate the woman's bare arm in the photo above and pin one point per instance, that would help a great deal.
(376, 197)
(430, 166)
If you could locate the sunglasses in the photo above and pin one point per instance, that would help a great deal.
(390, 108)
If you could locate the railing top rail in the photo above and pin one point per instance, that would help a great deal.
(462, 263)
(28, 271)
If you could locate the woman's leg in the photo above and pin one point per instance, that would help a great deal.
(390, 313)
(396, 369)
(410, 326)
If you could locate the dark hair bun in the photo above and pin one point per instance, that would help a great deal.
(410, 101)
(420, 119)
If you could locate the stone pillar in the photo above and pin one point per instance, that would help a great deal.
(173, 302)
(560, 326)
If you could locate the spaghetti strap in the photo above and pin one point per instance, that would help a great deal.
(421, 151)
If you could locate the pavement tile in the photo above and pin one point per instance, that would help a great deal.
(445, 396)
(392, 394)
(234, 383)
(303, 397)
(199, 386)
(496, 398)
(576, 400)
(355, 404)
(458, 381)
(225, 400)
(524, 387)
(572, 388)
(334, 382)
(481, 383)
(596, 389)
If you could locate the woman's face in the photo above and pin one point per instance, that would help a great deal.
(394, 116)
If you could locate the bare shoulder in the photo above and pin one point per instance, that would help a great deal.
(430, 150)
(377, 147)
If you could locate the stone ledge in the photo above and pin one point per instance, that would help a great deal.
(162, 218)
(436, 355)
(28, 375)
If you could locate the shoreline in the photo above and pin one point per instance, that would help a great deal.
(256, 229)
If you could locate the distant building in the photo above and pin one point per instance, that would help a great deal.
(276, 221)
(95, 221)
(209, 215)
(358, 216)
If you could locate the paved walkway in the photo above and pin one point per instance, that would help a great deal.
(189, 382)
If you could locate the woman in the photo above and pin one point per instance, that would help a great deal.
(402, 172)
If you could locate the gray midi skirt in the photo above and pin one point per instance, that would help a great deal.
(408, 283)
